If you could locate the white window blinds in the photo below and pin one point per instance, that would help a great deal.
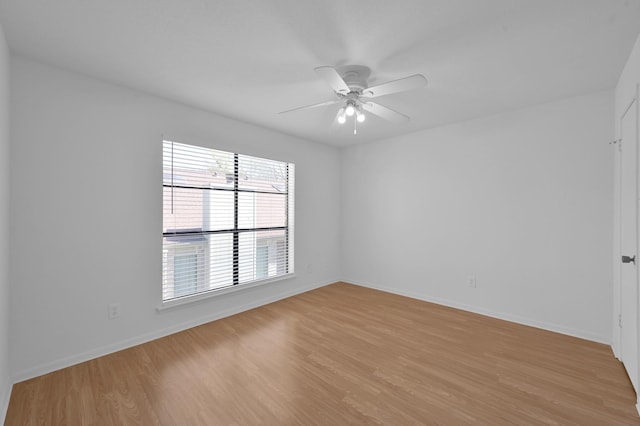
(227, 219)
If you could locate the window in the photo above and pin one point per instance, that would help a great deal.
(227, 219)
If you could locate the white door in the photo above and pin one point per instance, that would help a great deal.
(629, 242)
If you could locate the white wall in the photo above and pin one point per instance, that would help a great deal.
(626, 90)
(5, 379)
(87, 214)
(522, 200)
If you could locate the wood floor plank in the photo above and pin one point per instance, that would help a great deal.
(341, 354)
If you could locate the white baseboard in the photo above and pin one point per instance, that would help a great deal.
(582, 334)
(5, 395)
(125, 344)
(614, 349)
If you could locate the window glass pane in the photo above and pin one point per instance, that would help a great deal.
(196, 263)
(258, 210)
(196, 166)
(197, 209)
(260, 174)
(262, 254)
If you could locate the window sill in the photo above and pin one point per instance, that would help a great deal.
(187, 300)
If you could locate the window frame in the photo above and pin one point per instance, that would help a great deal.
(236, 284)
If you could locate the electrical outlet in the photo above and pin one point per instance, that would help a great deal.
(115, 309)
(471, 281)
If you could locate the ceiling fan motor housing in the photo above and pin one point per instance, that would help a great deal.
(355, 76)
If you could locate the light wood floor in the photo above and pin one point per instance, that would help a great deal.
(341, 354)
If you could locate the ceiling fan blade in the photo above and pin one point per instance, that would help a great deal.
(331, 76)
(326, 103)
(408, 83)
(384, 112)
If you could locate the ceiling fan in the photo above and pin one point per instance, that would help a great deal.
(350, 85)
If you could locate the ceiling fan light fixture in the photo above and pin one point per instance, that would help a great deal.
(341, 117)
(361, 116)
(350, 110)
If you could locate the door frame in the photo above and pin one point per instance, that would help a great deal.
(617, 283)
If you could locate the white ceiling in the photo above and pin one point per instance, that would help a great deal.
(251, 59)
